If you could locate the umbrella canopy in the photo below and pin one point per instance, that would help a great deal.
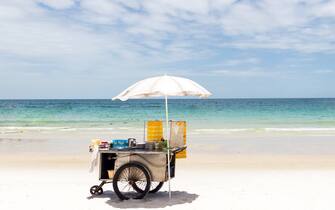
(163, 86)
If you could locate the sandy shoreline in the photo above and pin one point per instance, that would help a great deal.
(49, 170)
(213, 150)
(210, 162)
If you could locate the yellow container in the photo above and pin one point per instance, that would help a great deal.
(95, 142)
(154, 131)
(179, 125)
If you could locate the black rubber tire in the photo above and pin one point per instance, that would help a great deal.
(96, 190)
(156, 189)
(159, 186)
(116, 177)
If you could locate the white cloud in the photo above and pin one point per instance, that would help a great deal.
(110, 40)
(250, 72)
(287, 24)
(324, 71)
(150, 32)
(102, 8)
(58, 4)
(326, 9)
(10, 12)
(236, 62)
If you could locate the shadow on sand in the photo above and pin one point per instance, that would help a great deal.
(157, 200)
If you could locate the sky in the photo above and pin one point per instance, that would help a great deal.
(236, 49)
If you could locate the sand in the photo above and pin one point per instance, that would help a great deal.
(67, 188)
(49, 170)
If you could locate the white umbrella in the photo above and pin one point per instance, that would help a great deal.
(164, 86)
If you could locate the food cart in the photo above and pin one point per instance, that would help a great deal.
(134, 172)
(164, 86)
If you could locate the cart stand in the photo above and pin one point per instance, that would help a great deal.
(151, 165)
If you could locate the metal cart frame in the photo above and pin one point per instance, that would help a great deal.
(141, 171)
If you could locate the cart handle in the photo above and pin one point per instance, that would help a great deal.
(178, 149)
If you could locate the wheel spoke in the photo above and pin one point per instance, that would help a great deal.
(124, 187)
(141, 184)
(129, 187)
(131, 181)
(138, 173)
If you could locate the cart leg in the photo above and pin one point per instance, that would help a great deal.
(102, 184)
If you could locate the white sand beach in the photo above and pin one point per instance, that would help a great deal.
(67, 188)
(237, 171)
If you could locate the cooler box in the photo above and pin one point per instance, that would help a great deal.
(120, 143)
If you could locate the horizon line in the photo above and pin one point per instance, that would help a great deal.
(172, 98)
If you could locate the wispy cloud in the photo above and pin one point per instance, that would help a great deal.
(225, 37)
(324, 71)
(251, 72)
(134, 28)
(236, 62)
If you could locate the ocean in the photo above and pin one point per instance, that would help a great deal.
(201, 114)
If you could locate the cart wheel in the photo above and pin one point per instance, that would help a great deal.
(96, 190)
(127, 176)
(154, 187)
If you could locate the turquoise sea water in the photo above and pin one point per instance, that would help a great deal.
(200, 113)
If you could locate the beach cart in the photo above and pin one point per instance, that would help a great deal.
(134, 172)
(164, 86)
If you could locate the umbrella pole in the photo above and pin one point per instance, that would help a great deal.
(168, 142)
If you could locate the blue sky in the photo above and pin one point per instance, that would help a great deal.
(97, 48)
